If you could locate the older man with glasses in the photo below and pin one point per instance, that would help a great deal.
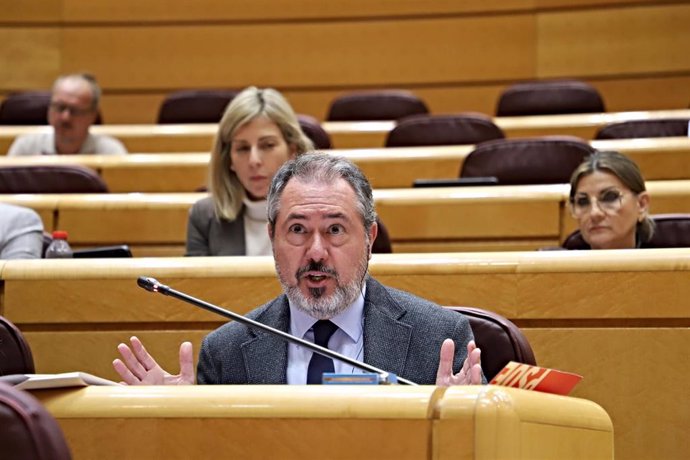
(73, 109)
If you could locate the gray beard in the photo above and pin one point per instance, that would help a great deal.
(319, 306)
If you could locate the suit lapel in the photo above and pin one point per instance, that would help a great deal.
(386, 336)
(265, 355)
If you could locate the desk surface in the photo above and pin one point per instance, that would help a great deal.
(658, 158)
(482, 422)
(362, 134)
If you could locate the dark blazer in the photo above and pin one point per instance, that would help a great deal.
(402, 335)
(209, 236)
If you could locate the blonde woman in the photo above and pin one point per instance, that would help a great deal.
(259, 132)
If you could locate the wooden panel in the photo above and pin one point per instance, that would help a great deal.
(269, 10)
(347, 53)
(611, 361)
(645, 39)
(28, 11)
(641, 93)
(348, 422)
(31, 57)
(645, 93)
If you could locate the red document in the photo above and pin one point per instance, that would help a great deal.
(518, 375)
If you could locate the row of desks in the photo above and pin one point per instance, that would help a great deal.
(658, 158)
(486, 218)
(340, 422)
(199, 137)
(619, 318)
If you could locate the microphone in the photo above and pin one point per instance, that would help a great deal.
(152, 285)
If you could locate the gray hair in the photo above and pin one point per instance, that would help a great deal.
(88, 79)
(322, 168)
(624, 169)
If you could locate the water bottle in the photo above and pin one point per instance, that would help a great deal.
(59, 248)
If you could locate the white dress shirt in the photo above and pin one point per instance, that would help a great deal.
(348, 340)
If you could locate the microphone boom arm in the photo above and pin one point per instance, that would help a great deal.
(153, 285)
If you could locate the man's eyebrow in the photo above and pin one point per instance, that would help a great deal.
(330, 215)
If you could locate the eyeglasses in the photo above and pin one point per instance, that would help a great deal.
(609, 202)
(59, 107)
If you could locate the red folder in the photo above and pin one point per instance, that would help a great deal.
(535, 378)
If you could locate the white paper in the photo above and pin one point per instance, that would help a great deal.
(67, 379)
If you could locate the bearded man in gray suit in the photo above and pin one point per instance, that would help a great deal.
(322, 223)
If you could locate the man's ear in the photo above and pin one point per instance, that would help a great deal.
(373, 233)
(269, 227)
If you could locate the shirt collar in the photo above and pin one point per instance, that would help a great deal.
(349, 320)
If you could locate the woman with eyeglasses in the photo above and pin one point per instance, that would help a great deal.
(610, 202)
(259, 132)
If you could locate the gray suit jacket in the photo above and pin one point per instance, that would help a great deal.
(209, 236)
(402, 335)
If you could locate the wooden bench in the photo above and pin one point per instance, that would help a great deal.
(524, 217)
(659, 159)
(199, 137)
(597, 313)
(258, 422)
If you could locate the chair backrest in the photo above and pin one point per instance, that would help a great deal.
(25, 108)
(314, 131)
(195, 106)
(672, 231)
(500, 340)
(50, 179)
(546, 160)
(15, 354)
(549, 98)
(382, 243)
(29, 108)
(667, 127)
(463, 128)
(375, 105)
(27, 429)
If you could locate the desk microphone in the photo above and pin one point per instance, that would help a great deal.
(152, 285)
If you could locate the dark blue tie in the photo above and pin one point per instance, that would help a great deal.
(323, 330)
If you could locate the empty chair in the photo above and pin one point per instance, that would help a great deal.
(29, 108)
(671, 231)
(27, 429)
(668, 127)
(25, 108)
(195, 106)
(382, 243)
(314, 131)
(15, 354)
(375, 105)
(549, 98)
(464, 128)
(500, 340)
(546, 160)
(50, 179)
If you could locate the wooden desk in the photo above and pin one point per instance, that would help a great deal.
(597, 313)
(373, 134)
(660, 159)
(199, 137)
(487, 218)
(283, 422)
(444, 219)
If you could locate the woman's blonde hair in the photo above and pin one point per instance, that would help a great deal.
(225, 187)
